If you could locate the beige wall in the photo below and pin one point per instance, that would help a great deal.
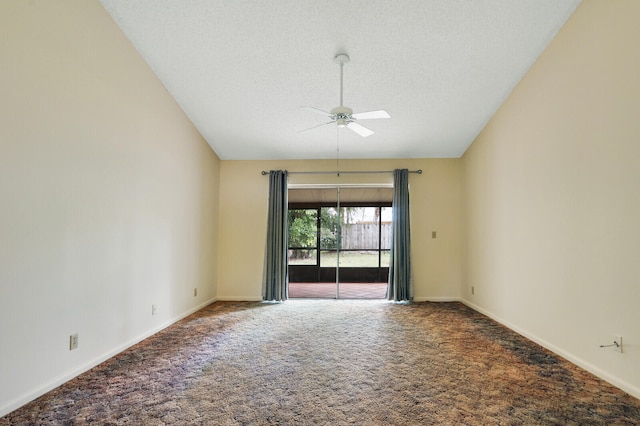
(552, 197)
(110, 200)
(435, 198)
(108, 197)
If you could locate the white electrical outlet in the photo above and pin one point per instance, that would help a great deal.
(618, 340)
(195, 292)
(153, 309)
(73, 341)
(473, 290)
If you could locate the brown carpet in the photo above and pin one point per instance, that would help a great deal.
(334, 362)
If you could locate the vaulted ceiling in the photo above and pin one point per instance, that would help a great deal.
(242, 70)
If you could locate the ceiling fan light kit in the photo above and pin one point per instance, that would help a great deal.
(344, 116)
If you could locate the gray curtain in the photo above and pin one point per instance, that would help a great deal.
(400, 284)
(275, 277)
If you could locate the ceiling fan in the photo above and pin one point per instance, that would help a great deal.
(344, 116)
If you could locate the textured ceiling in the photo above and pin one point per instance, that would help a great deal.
(241, 70)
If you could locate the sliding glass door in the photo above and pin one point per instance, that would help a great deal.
(338, 249)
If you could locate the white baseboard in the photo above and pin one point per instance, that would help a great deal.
(436, 299)
(616, 381)
(239, 299)
(30, 396)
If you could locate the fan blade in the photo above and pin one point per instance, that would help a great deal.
(371, 114)
(319, 125)
(318, 110)
(361, 130)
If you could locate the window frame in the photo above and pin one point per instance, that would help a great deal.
(318, 247)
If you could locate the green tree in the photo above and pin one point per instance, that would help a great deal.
(302, 231)
(329, 225)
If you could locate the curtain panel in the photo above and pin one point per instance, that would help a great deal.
(400, 281)
(275, 276)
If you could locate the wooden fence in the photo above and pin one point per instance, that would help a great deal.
(365, 236)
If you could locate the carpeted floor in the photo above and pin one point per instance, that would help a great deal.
(334, 362)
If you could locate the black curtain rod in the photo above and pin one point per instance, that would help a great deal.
(419, 171)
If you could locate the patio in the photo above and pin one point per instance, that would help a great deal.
(347, 290)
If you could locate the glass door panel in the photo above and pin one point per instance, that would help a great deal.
(338, 251)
